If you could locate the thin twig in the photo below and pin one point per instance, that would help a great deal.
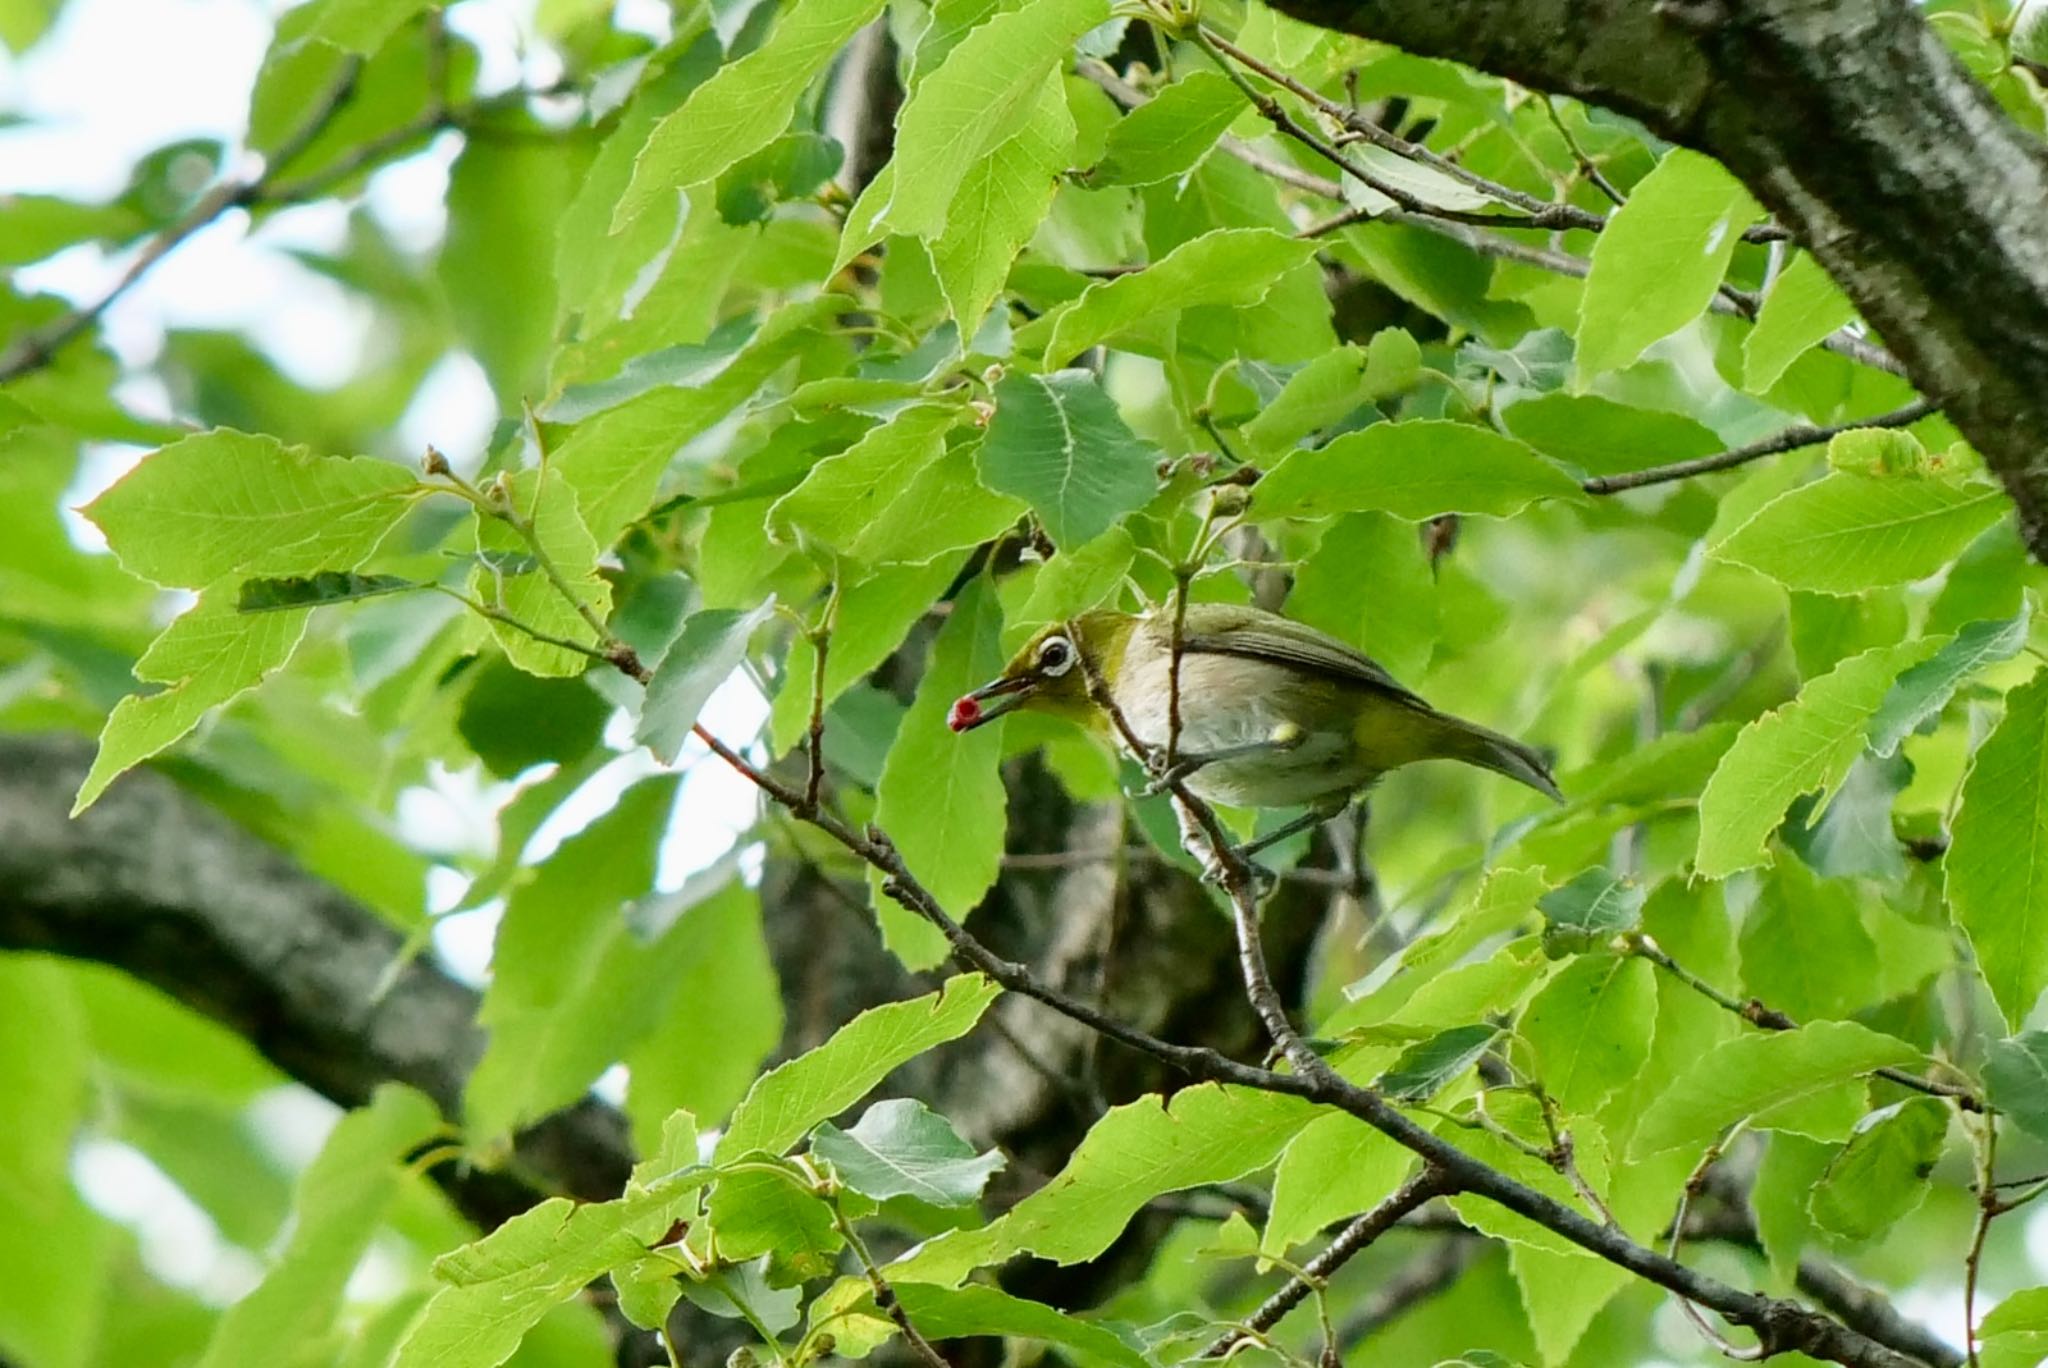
(1757, 1014)
(1415, 1282)
(885, 1295)
(821, 646)
(1791, 439)
(1694, 1182)
(1989, 1209)
(37, 348)
(1426, 1185)
(1586, 166)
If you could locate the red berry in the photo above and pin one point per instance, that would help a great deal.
(966, 712)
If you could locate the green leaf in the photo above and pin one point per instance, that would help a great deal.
(358, 26)
(725, 991)
(207, 656)
(745, 1293)
(1230, 266)
(1589, 911)
(756, 1213)
(2016, 1071)
(1205, 1134)
(900, 1148)
(1338, 1166)
(875, 614)
(1561, 1293)
(342, 1201)
(1330, 388)
(744, 107)
(1845, 533)
(1058, 443)
(312, 591)
(1002, 200)
(793, 1097)
(1802, 308)
(1805, 951)
(1751, 1074)
(703, 656)
(1415, 470)
(1169, 133)
(502, 1285)
(1923, 691)
(229, 503)
(1603, 437)
(1996, 868)
(1427, 1067)
(1880, 1176)
(1805, 746)
(941, 796)
(514, 720)
(943, 1313)
(571, 986)
(1879, 451)
(548, 502)
(1078, 579)
(1661, 258)
(1785, 1178)
(960, 112)
(1590, 1028)
(1369, 583)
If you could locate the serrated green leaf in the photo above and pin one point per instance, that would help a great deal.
(1413, 470)
(209, 655)
(548, 502)
(1805, 746)
(501, 1286)
(1753, 1074)
(1561, 1293)
(2016, 1072)
(901, 1148)
(1805, 951)
(1880, 1176)
(956, 115)
(704, 654)
(1590, 1028)
(231, 503)
(745, 1292)
(1169, 133)
(1604, 437)
(941, 796)
(310, 591)
(571, 985)
(1923, 691)
(1077, 580)
(755, 1214)
(943, 1313)
(342, 1200)
(1230, 266)
(791, 1098)
(1845, 533)
(1322, 392)
(1338, 1166)
(844, 495)
(744, 107)
(358, 26)
(1427, 1067)
(1996, 868)
(1369, 583)
(1785, 1179)
(1879, 451)
(1205, 1134)
(1590, 910)
(1661, 258)
(1002, 200)
(1058, 443)
(1803, 307)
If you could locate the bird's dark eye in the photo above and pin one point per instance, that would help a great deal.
(1056, 656)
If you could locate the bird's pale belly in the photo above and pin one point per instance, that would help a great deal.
(1229, 702)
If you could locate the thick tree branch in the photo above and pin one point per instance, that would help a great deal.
(153, 882)
(1852, 122)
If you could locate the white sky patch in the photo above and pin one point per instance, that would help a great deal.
(178, 1242)
(455, 410)
(409, 198)
(99, 465)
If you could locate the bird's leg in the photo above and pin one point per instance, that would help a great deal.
(1281, 739)
(1314, 817)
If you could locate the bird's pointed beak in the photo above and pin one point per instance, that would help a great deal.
(1006, 694)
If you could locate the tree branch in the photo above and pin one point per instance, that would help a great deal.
(1791, 439)
(1858, 129)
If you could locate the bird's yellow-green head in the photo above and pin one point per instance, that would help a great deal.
(1050, 672)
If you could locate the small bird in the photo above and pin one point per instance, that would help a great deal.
(1272, 713)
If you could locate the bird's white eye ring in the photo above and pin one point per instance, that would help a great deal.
(1056, 656)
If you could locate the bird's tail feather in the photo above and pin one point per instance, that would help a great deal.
(1476, 745)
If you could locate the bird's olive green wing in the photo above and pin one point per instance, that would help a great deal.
(1255, 635)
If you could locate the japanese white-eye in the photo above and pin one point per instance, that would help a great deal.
(1272, 713)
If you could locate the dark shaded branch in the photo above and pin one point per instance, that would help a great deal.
(153, 882)
(1791, 439)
